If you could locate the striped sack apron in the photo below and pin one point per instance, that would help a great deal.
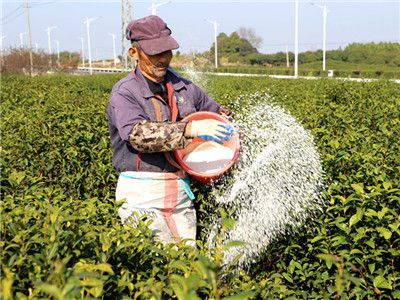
(165, 198)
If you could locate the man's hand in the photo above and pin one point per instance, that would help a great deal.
(210, 130)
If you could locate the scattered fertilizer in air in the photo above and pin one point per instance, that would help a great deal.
(278, 180)
(196, 77)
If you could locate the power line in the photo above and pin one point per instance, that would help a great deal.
(9, 21)
(43, 3)
(12, 12)
(4, 19)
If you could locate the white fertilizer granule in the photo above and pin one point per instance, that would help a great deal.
(208, 157)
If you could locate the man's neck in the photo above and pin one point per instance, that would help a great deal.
(157, 88)
(160, 80)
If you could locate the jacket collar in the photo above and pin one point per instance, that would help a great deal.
(175, 79)
(171, 76)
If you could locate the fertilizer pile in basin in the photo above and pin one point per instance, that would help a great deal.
(208, 157)
(277, 182)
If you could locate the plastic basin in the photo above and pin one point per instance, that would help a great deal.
(196, 170)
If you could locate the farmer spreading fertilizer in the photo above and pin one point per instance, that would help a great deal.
(145, 115)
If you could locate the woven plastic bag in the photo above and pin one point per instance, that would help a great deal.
(166, 198)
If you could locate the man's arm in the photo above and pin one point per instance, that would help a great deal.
(145, 135)
(149, 137)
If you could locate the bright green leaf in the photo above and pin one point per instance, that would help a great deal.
(382, 283)
(358, 187)
(386, 233)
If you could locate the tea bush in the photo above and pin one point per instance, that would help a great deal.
(61, 234)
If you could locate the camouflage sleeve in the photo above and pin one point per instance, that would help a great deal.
(149, 137)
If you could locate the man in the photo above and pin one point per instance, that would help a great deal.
(145, 115)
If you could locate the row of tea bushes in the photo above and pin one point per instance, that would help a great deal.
(61, 236)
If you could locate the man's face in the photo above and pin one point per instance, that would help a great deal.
(153, 67)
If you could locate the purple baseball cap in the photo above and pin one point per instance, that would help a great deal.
(152, 34)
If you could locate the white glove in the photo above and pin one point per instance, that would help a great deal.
(211, 130)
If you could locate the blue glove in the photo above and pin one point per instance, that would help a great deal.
(211, 130)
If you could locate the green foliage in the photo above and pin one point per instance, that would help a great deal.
(61, 236)
(233, 47)
(356, 60)
(383, 54)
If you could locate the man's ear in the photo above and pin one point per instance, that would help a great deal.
(134, 53)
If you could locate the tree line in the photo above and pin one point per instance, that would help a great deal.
(240, 47)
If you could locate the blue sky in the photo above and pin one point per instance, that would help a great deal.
(348, 21)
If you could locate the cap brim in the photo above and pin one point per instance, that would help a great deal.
(159, 45)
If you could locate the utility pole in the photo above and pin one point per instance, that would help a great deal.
(154, 6)
(126, 16)
(1, 47)
(58, 52)
(1, 42)
(324, 14)
(87, 22)
(215, 42)
(287, 57)
(114, 55)
(83, 52)
(49, 29)
(296, 39)
(21, 39)
(30, 36)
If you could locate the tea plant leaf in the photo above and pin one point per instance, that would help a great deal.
(328, 257)
(382, 212)
(358, 187)
(371, 268)
(287, 277)
(387, 185)
(382, 282)
(85, 267)
(50, 290)
(228, 223)
(386, 233)
(356, 217)
(91, 282)
(396, 294)
(16, 177)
